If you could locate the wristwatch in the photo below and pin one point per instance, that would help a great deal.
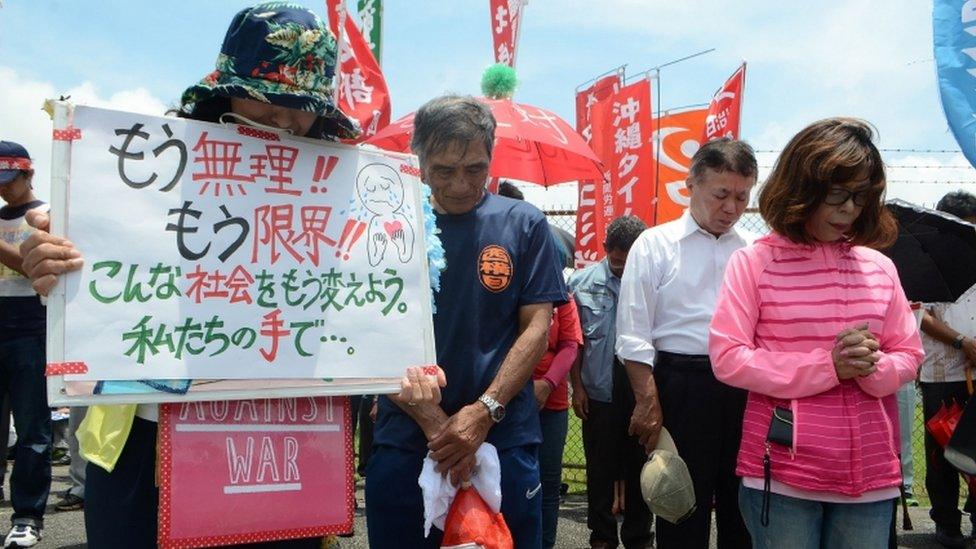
(957, 343)
(495, 409)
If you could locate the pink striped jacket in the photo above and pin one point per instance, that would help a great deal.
(779, 310)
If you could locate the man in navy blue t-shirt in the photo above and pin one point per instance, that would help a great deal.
(493, 313)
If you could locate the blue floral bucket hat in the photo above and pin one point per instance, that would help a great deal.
(278, 53)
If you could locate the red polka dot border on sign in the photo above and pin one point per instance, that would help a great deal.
(260, 134)
(67, 134)
(164, 468)
(62, 368)
(409, 170)
(350, 474)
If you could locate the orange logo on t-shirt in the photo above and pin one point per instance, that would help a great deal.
(495, 268)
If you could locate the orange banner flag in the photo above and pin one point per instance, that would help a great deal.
(679, 135)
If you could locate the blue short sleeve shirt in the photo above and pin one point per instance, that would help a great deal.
(596, 289)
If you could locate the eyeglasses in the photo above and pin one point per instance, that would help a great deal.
(838, 196)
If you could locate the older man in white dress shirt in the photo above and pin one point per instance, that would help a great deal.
(667, 298)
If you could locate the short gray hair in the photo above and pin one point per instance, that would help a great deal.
(451, 119)
(723, 155)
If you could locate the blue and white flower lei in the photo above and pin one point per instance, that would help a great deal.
(435, 250)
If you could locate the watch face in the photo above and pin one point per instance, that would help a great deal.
(498, 413)
(495, 409)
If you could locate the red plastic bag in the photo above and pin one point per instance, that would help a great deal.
(470, 523)
(943, 423)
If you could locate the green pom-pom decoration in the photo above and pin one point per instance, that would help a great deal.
(498, 82)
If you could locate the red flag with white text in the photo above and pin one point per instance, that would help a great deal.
(625, 140)
(363, 93)
(506, 15)
(586, 98)
(725, 109)
(590, 220)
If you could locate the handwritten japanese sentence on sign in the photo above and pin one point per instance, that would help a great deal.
(231, 252)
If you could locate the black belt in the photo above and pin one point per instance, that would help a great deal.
(678, 361)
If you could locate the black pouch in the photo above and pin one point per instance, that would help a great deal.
(780, 432)
(781, 427)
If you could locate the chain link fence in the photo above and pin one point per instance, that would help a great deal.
(574, 461)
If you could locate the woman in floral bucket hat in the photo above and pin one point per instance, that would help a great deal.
(275, 69)
(276, 65)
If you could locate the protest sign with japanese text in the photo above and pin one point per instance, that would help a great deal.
(232, 252)
(258, 470)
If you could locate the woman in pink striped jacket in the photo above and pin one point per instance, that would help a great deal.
(813, 322)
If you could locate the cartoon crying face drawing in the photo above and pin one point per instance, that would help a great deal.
(380, 189)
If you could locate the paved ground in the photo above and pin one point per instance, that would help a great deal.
(66, 530)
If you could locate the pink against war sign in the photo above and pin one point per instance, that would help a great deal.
(254, 470)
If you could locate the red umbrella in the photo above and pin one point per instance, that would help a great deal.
(531, 144)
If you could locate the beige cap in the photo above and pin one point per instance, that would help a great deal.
(666, 483)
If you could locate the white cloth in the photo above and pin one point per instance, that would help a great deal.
(669, 288)
(777, 487)
(439, 493)
(149, 412)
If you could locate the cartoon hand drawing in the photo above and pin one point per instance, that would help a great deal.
(381, 191)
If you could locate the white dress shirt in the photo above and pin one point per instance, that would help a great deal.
(944, 363)
(669, 288)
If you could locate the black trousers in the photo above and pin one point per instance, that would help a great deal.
(121, 507)
(942, 480)
(613, 455)
(4, 435)
(704, 416)
(365, 431)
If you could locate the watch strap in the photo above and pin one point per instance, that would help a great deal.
(495, 408)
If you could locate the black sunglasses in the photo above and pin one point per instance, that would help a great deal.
(838, 196)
